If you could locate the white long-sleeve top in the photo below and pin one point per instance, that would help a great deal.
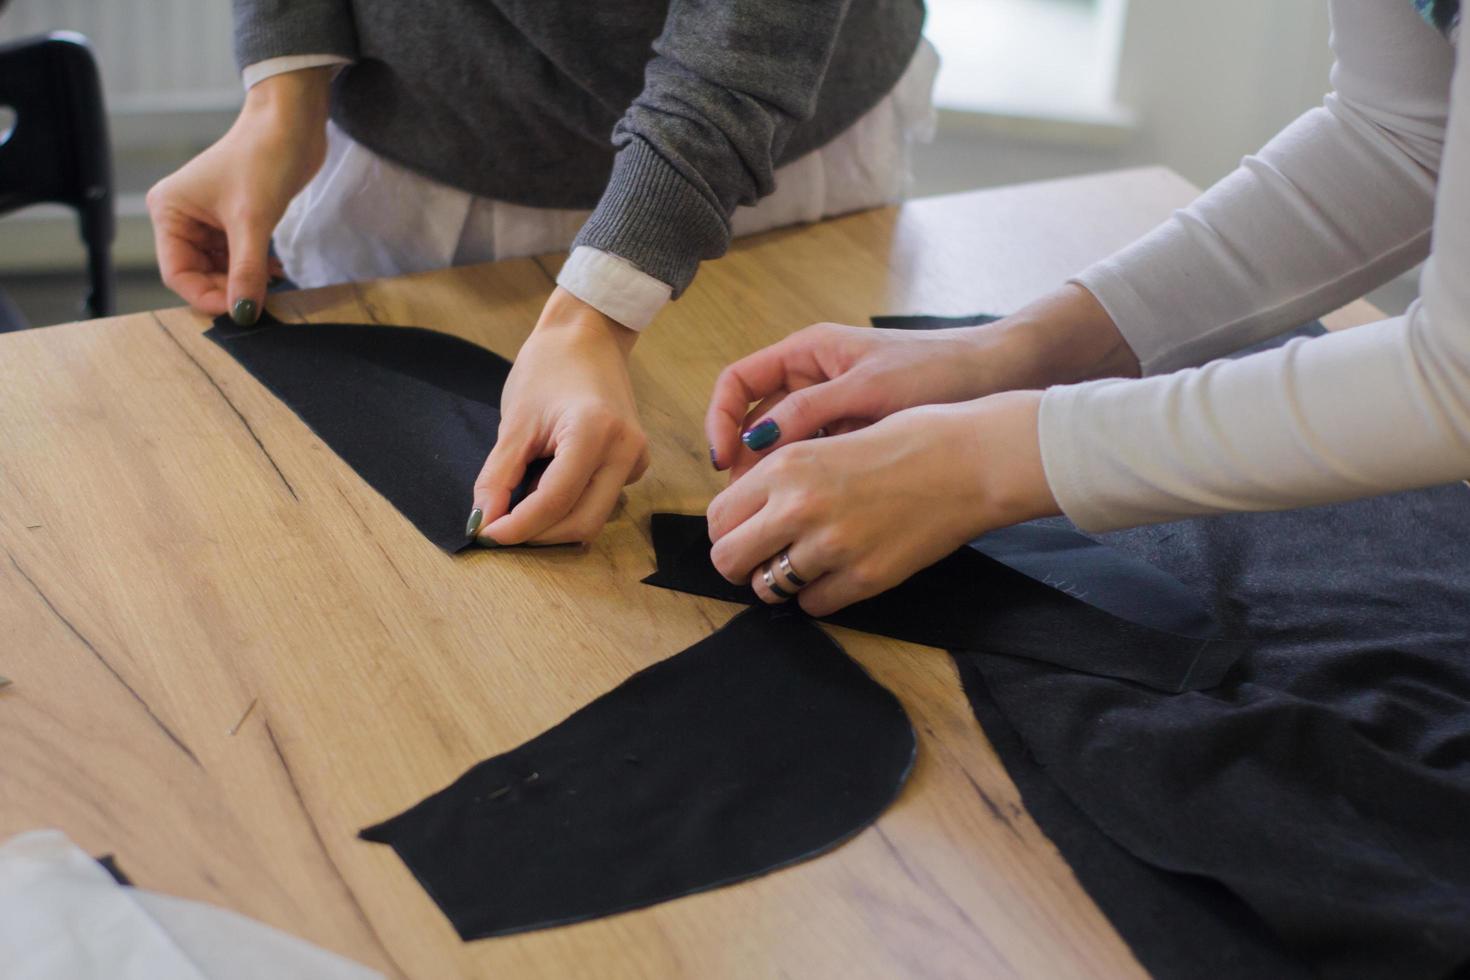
(1345, 198)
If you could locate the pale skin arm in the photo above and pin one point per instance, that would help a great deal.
(939, 445)
(213, 218)
(569, 395)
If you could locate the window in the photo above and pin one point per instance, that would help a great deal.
(1027, 57)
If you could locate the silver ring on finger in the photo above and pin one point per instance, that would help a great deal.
(783, 562)
(769, 578)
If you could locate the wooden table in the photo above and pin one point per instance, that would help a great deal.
(229, 653)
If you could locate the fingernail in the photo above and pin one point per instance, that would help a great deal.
(472, 526)
(761, 435)
(714, 460)
(245, 313)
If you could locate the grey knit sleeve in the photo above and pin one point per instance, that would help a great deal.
(273, 28)
(728, 82)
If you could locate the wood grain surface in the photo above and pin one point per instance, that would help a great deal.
(229, 653)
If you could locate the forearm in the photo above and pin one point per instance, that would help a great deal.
(727, 84)
(1371, 410)
(1339, 202)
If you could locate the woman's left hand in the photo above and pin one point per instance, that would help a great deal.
(858, 513)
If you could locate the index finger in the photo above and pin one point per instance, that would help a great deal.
(188, 268)
(748, 380)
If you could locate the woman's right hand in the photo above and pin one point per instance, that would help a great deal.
(836, 378)
(213, 218)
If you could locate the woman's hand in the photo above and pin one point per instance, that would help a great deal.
(213, 218)
(858, 513)
(569, 397)
(840, 378)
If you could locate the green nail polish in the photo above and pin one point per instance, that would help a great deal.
(245, 313)
(472, 526)
(762, 435)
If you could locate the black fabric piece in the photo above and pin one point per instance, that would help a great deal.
(1177, 925)
(1043, 593)
(413, 411)
(1326, 784)
(110, 865)
(1312, 814)
(758, 747)
(931, 322)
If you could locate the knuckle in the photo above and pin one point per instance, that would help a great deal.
(725, 564)
(799, 404)
(800, 507)
(867, 577)
(830, 543)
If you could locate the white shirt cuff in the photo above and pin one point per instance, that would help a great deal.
(261, 70)
(614, 286)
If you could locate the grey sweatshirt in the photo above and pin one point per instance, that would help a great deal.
(664, 115)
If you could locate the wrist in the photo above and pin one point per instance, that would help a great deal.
(566, 315)
(1007, 466)
(294, 101)
(1065, 337)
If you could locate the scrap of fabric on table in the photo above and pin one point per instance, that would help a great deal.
(413, 411)
(1308, 816)
(1045, 593)
(758, 747)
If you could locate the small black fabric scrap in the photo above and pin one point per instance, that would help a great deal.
(761, 746)
(110, 865)
(413, 411)
(1043, 593)
(931, 322)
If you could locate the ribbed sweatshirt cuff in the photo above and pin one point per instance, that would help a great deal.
(653, 217)
(265, 30)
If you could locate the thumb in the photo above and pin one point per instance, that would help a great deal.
(249, 241)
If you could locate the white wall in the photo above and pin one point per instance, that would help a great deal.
(1212, 81)
(1206, 82)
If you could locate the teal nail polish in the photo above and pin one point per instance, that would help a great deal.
(245, 313)
(472, 526)
(762, 435)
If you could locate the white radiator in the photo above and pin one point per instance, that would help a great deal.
(169, 80)
(156, 55)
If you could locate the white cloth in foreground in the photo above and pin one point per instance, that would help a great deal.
(62, 917)
(1341, 201)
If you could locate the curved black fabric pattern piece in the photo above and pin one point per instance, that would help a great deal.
(1043, 593)
(758, 747)
(413, 411)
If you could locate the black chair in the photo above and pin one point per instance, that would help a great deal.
(57, 151)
